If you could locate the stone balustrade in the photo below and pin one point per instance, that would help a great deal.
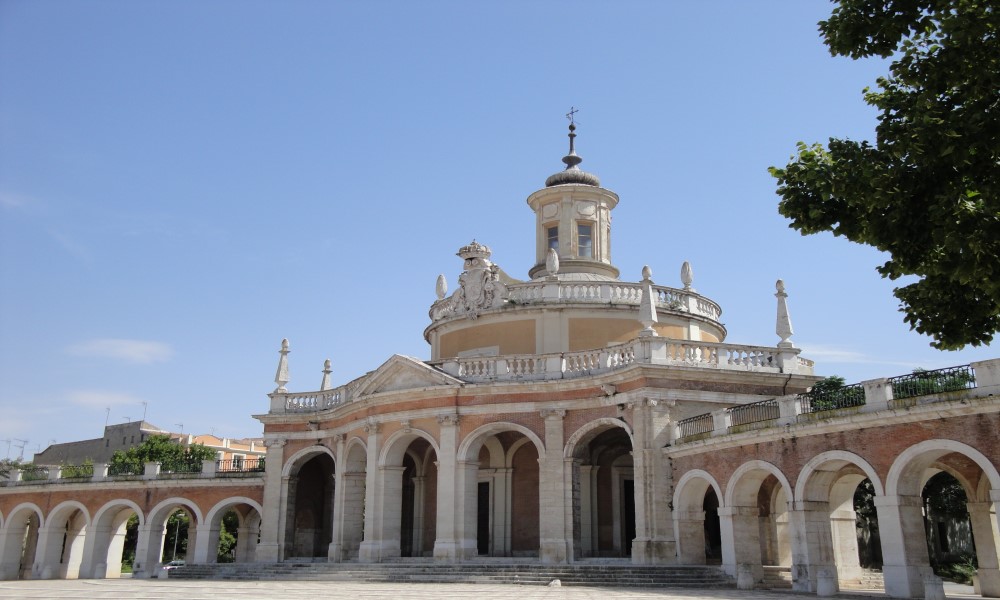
(544, 291)
(920, 387)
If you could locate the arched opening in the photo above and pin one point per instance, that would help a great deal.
(754, 520)
(19, 540)
(711, 529)
(603, 494)
(909, 524)
(176, 536)
(60, 544)
(949, 533)
(113, 547)
(349, 529)
(696, 520)
(233, 532)
(499, 489)
(418, 507)
(309, 529)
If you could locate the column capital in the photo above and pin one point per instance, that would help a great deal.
(405, 426)
(275, 443)
(552, 413)
(372, 427)
(448, 420)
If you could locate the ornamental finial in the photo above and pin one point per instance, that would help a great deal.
(647, 309)
(325, 383)
(687, 276)
(281, 377)
(783, 324)
(441, 288)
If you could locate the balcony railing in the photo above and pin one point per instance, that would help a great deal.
(879, 394)
(240, 465)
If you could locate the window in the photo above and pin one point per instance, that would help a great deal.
(585, 240)
(107, 442)
(553, 236)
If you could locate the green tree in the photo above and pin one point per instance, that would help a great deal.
(928, 191)
(175, 539)
(160, 448)
(227, 537)
(7, 465)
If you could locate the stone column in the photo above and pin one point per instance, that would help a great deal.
(354, 514)
(205, 544)
(501, 511)
(690, 530)
(845, 544)
(740, 531)
(654, 542)
(418, 514)
(335, 553)
(370, 550)
(554, 539)
(48, 555)
(270, 548)
(446, 538)
(812, 544)
(984, 532)
(904, 545)
(587, 520)
(148, 549)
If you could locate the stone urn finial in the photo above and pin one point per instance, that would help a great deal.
(687, 276)
(552, 262)
(442, 287)
(647, 306)
(281, 377)
(325, 383)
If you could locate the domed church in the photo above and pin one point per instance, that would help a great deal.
(542, 424)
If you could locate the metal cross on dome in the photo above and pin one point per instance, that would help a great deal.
(571, 115)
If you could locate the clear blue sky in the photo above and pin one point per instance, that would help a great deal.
(183, 184)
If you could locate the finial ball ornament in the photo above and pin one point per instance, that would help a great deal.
(646, 272)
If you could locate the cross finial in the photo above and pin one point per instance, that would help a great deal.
(571, 115)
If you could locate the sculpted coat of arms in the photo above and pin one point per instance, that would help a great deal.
(479, 285)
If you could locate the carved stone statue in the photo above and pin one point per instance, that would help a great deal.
(479, 285)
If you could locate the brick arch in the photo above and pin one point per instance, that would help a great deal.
(748, 477)
(107, 537)
(355, 455)
(693, 485)
(917, 458)
(468, 450)
(223, 506)
(12, 536)
(295, 461)
(396, 444)
(586, 433)
(66, 508)
(159, 513)
(822, 470)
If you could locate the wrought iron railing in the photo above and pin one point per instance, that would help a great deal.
(85, 471)
(924, 383)
(695, 425)
(182, 466)
(125, 470)
(33, 473)
(240, 465)
(755, 412)
(842, 397)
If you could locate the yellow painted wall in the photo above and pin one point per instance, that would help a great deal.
(587, 334)
(708, 337)
(513, 337)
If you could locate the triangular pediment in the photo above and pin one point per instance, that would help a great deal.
(403, 373)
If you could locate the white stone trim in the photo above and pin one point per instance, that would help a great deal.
(62, 506)
(464, 448)
(177, 502)
(226, 504)
(686, 479)
(815, 462)
(936, 448)
(24, 505)
(589, 427)
(749, 467)
(294, 460)
(409, 436)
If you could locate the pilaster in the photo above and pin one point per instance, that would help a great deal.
(554, 541)
(272, 520)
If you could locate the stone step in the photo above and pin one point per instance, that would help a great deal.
(598, 574)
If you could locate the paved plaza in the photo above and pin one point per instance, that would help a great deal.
(135, 589)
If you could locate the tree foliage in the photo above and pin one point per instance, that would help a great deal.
(928, 191)
(159, 448)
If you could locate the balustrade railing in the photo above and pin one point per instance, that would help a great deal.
(697, 425)
(315, 401)
(755, 412)
(923, 383)
(240, 465)
(918, 383)
(844, 397)
(124, 470)
(530, 292)
(34, 473)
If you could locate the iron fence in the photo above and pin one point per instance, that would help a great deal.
(240, 465)
(923, 383)
(843, 397)
(755, 412)
(695, 425)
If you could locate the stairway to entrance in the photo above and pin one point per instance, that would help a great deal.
(580, 574)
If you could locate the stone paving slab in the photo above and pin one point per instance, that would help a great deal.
(144, 589)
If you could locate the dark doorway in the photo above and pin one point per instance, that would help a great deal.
(407, 511)
(311, 498)
(628, 515)
(483, 518)
(713, 529)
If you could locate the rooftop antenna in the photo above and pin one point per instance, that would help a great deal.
(20, 446)
(145, 405)
(212, 429)
(8, 447)
(107, 415)
(127, 419)
(181, 425)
